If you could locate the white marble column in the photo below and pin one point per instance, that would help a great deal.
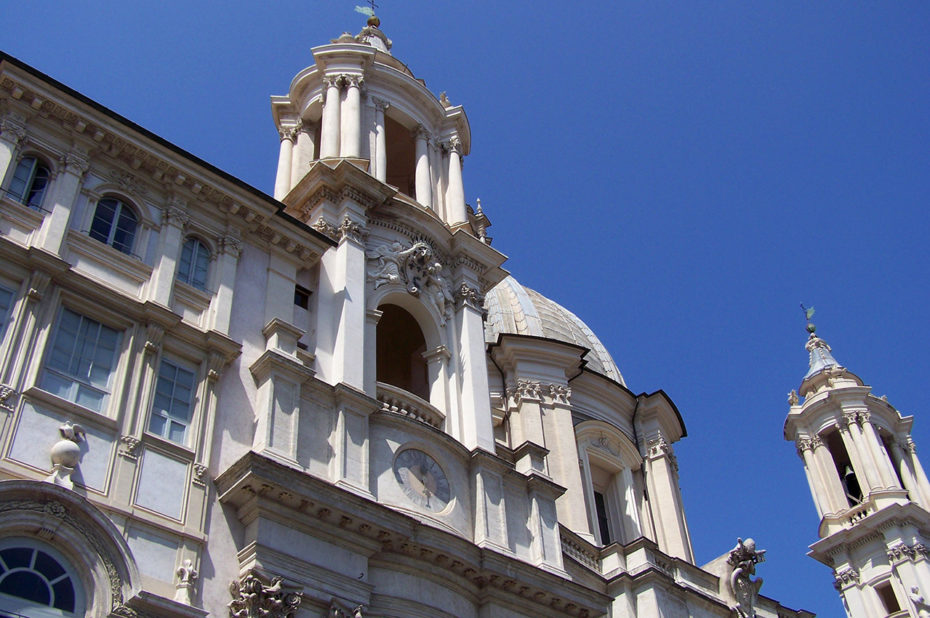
(423, 183)
(329, 133)
(12, 132)
(814, 480)
(66, 188)
(226, 263)
(350, 144)
(919, 473)
(456, 192)
(437, 363)
(304, 153)
(665, 501)
(435, 165)
(282, 183)
(174, 217)
(835, 497)
(907, 475)
(379, 162)
(627, 490)
(852, 440)
(882, 460)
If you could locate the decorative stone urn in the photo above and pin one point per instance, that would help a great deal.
(65, 455)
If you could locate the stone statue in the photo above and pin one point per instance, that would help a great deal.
(744, 558)
(439, 292)
(920, 605)
(399, 265)
(66, 455)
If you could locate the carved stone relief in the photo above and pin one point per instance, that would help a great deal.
(7, 398)
(186, 574)
(416, 268)
(743, 559)
(252, 598)
(66, 455)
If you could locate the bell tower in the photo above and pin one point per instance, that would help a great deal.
(868, 486)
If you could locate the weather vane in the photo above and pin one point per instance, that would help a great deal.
(367, 10)
(808, 314)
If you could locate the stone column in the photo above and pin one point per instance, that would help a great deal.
(282, 182)
(304, 153)
(226, 263)
(852, 439)
(627, 490)
(379, 162)
(329, 133)
(919, 473)
(666, 501)
(23, 340)
(437, 362)
(350, 144)
(477, 427)
(455, 196)
(835, 498)
(435, 157)
(814, 477)
(12, 132)
(874, 443)
(907, 475)
(423, 182)
(174, 218)
(67, 187)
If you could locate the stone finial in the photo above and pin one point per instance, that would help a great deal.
(252, 598)
(743, 559)
(65, 455)
(186, 575)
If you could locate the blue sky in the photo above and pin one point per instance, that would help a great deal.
(679, 174)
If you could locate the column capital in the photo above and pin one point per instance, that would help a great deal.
(75, 162)
(352, 80)
(380, 104)
(290, 132)
(13, 128)
(332, 81)
(421, 133)
(851, 417)
(803, 445)
(466, 295)
(352, 230)
(175, 212)
(230, 245)
(453, 144)
(845, 578)
(816, 442)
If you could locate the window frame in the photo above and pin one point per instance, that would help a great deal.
(193, 404)
(7, 314)
(34, 608)
(76, 381)
(25, 198)
(187, 278)
(121, 205)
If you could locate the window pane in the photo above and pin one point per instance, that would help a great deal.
(6, 302)
(48, 566)
(17, 557)
(102, 224)
(26, 585)
(187, 258)
(21, 178)
(37, 190)
(171, 406)
(89, 398)
(177, 432)
(157, 425)
(64, 595)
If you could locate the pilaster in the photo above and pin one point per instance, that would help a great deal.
(67, 187)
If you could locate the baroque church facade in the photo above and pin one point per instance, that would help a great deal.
(334, 400)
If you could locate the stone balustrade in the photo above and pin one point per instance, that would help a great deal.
(398, 401)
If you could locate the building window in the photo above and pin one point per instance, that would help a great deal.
(195, 261)
(31, 578)
(399, 348)
(171, 409)
(81, 360)
(29, 182)
(302, 297)
(888, 598)
(115, 224)
(603, 520)
(6, 303)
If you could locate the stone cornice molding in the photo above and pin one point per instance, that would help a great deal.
(128, 183)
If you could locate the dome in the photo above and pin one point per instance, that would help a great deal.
(514, 309)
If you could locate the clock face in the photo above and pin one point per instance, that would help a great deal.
(422, 479)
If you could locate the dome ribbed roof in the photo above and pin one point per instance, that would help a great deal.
(514, 309)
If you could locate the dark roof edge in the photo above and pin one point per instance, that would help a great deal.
(258, 193)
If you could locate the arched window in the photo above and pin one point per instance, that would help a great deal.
(400, 350)
(114, 224)
(29, 182)
(195, 260)
(36, 581)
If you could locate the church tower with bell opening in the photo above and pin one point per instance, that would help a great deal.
(869, 488)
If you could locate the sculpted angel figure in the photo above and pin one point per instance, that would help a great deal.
(743, 558)
(439, 291)
(389, 258)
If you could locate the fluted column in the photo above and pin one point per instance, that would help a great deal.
(379, 163)
(423, 183)
(919, 473)
(456, 191)
(329, 134)
(226, 264)
(66, 187)
(350, 144)
(907, 475)
(174, 218)
(12, 132)
(282, 183)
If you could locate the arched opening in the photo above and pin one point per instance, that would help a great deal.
(844, 467)
(400, 348)
(401, 156)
